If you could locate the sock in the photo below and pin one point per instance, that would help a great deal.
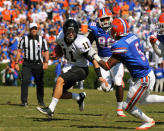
(139, 114)
(119, 105)
(154, 99)
(75, 96)
(53, 103)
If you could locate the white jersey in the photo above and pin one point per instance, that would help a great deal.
(73, 53)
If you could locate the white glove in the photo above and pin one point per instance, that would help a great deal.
(93, 54)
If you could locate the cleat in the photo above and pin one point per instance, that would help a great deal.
(120, 113)
(81, 101)
(146, 125)
(45, 111)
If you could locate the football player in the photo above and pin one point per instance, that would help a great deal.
(99, 32)
(127, 49)
(75, 49)
(158, 41)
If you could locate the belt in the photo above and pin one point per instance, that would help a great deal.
(33, 61)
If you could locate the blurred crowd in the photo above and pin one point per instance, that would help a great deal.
(15, 16)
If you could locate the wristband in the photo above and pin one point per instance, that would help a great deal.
(98, 72)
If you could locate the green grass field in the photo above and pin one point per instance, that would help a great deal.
(99, 113)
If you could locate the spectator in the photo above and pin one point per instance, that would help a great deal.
(8, 76)
(137, 10)
(116, 10)
(125, 10)
(159, 78)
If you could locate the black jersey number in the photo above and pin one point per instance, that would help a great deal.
(71, 55)
(86, 46)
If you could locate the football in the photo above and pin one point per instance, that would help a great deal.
(105, 88)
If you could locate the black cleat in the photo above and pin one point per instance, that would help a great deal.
(81, 101)
(45, 111)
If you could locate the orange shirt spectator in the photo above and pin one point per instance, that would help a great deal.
(29, 15)
(15, 14)
(51, 39)
(2, 29)
(56, 17)
(66, 3)
(116, 10)
(125, 9)
(6, 14)
(1, 2)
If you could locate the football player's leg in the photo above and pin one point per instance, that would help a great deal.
(74, 75)
(136, 112)
(137, 93)
(57, 93)
(149, 99)
(117, 75)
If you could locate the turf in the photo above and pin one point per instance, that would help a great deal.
(99, 113)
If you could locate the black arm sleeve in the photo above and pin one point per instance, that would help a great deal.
(91, 37)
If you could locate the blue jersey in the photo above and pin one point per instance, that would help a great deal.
(132, 55)
(102, 38)
(161, 38)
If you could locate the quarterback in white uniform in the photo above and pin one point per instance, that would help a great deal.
(74, 48)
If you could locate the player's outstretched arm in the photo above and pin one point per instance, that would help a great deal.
(113, 60)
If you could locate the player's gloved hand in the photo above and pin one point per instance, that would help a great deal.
(104, 85)
(93, 54)
(153, 39)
